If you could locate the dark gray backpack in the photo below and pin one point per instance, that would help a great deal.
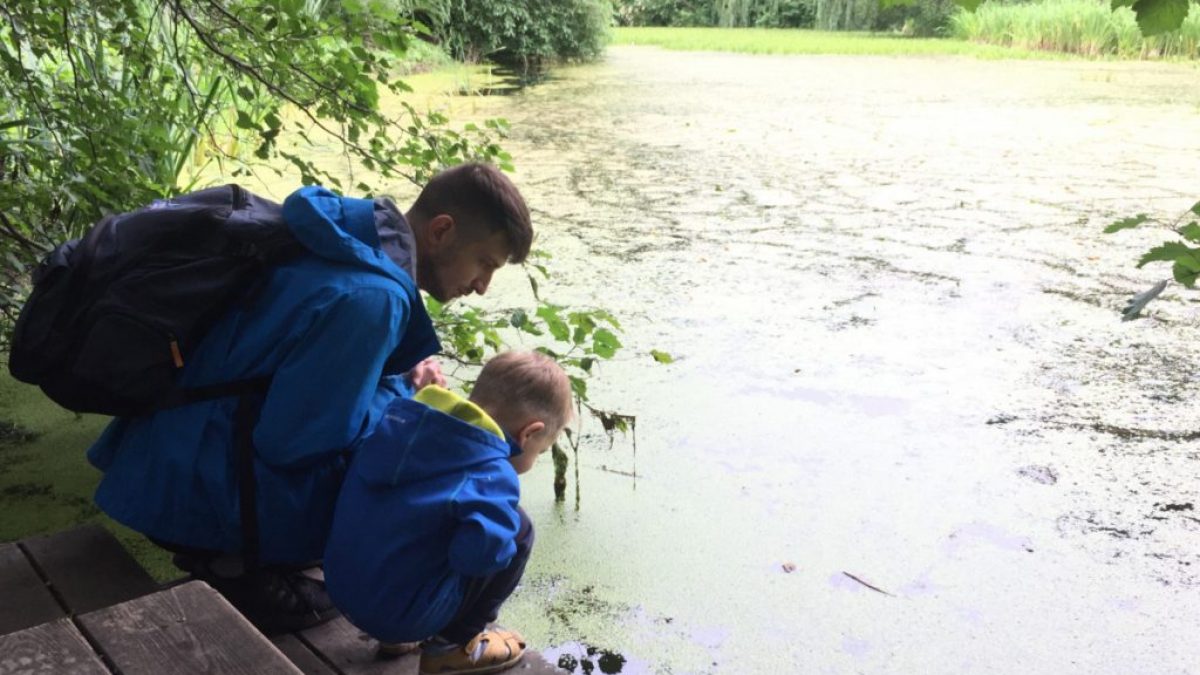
(114, 315)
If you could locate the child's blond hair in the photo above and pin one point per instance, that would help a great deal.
(515, 387)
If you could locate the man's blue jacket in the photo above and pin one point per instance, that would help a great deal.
(430, 501)
(329, 328)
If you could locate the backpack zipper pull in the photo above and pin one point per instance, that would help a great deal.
(176, 355)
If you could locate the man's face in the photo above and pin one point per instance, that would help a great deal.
(459, 264)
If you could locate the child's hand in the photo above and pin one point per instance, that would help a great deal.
(426, 372)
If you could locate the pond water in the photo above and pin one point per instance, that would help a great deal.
(906, 430)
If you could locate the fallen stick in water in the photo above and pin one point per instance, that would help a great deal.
(870, 586)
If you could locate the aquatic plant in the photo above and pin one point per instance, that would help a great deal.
(1086, 27)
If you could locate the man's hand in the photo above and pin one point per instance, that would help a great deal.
(426, 372)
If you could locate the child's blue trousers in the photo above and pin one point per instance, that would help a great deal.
(484, 595)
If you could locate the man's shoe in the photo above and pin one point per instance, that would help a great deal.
(275, 601)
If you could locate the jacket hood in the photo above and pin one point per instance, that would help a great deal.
(415, 441)
(359, 232)
(370, 235)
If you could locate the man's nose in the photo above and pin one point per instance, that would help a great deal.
(481, 283)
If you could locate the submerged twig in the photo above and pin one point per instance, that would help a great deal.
(868, 585)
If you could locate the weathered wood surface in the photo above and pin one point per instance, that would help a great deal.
(140, 628)
(183, 630)
(24, 599)
(54, 648)
(352, 652)
(89, 568)
(301, 656)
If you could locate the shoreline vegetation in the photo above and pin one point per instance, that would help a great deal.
(1054, 29)
(803, 41)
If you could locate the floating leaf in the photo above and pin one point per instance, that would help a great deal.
(661, 356)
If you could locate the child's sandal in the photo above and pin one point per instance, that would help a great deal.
(489, 652)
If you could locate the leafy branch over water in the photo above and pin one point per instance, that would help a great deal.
(1183, 254)
(112, 105)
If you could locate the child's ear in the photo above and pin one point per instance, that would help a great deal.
(528, 431)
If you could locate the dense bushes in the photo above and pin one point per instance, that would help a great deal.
(924, 18)
(727, 13)
(524, 33)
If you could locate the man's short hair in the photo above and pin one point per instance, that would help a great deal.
(519, 386)
(479, 196)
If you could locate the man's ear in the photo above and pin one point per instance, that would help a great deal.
(529, 431)
(441, 230)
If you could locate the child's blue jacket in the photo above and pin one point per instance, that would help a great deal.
(429, 501)
(329, 327)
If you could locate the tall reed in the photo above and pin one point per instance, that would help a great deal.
(1087, 27)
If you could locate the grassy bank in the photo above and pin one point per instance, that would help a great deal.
(1086, 27)
(776, 41)
(46, 484)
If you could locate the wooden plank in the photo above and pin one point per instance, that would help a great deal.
(353, 652)
(183, 630)
(301, 656)
(25, 600)
(55, 648)
(88, 568)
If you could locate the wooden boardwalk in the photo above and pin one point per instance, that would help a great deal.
(76, 603)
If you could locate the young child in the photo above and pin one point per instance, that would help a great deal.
(428, 540)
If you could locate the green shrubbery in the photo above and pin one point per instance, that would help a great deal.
(725, 13)
(522, 33)
(924, 18)
(1088, 27)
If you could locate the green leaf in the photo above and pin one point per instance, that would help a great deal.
(1160, 16)
(1196, 208)
(607, 316)
(1126, 223)
(558, 327)
(244, 121)
(1118, 4)
(1187, 268)
(661, 356)
(605, 344)
(579, 387)
(519, 318)
(1168, 252)
(1185, 274)
(586, 363)
(1191, 232)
